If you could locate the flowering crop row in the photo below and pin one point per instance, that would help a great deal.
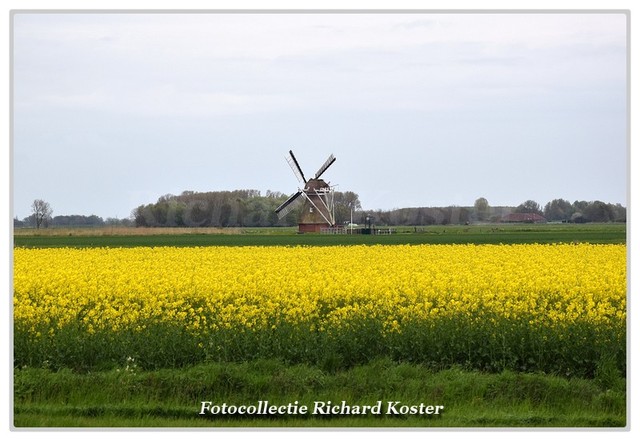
(527, 307)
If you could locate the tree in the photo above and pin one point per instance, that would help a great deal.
(346, 203)
(41, 212)
(580, 206)
(620, 213)
(598, 211)
(558, 210)
(481, 209)
(528, 206)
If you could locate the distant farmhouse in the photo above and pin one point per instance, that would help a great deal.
(525, 218)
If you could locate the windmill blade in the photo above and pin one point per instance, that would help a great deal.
(290, 204)
(325, 166)
(293, 163)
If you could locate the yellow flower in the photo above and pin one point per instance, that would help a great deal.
(206, 289)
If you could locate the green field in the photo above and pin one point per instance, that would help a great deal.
(452, 234)
(129, 396)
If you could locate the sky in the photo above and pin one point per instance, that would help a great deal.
(113, 110)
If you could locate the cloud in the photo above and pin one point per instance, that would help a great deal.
(214, 64)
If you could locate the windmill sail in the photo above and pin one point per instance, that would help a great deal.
(325, 166)
(293, 163)
(290, 204)
(314, 199)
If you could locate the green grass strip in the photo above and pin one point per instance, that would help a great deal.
(173, 397)
(449, 234)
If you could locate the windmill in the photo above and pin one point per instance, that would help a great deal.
(317, 196)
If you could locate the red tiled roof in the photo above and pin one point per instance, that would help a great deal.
(523, 217)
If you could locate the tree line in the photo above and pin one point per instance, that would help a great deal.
(250, 208)
(238, 208)
(557, 210)
(42, 217)
(583, 211)
(74, 220)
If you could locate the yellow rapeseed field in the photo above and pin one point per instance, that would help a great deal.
(215, 293)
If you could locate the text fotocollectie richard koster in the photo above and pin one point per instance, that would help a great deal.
(319, 408)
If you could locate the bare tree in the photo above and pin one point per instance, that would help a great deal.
(41, 212)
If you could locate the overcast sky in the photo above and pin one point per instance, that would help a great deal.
(112, 111)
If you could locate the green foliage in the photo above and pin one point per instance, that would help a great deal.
(124, 397)
(481, 342)
(238, 208)
(528, 206)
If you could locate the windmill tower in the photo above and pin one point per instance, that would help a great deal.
(317, 196)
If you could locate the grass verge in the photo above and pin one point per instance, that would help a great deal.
(449, 234)
(130, 397)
